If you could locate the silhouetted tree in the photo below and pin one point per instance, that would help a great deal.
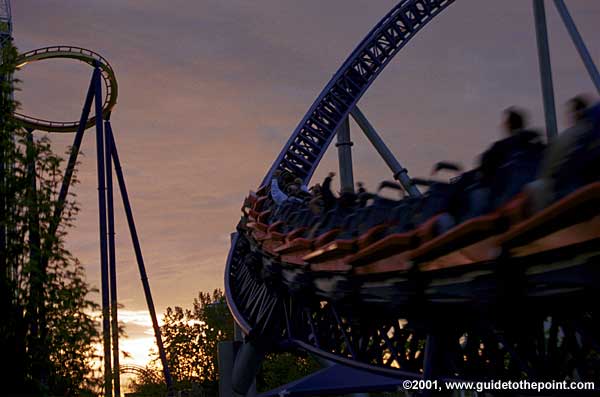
(191, 337)
(47, 332)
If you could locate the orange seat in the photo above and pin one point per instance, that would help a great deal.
(371, 235)
(250, 200)
(272, 235)
(263, 216)
(296, 244)
(385, 247)
(391, 264)
(472, 230)
(332, 250)
(426, 231)
(570, 220)
(337, 248)
(259, 203)
(378, 253)
(295, 233)
(326, 237)
(516, 209)
(270, 245)
(258, 226)
(449, 242)
(253, 214)
(275, 226)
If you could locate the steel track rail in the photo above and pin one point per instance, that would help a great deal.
(80, 54)
(309, 141)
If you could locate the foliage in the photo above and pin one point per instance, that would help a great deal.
(47, 330)
(191, 337)
(281, 368)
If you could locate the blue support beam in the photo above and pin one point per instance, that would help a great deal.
(400, 173)
(541, 34)
(112, 266)
(349, 83)
(139, 257)
(100, 160)
(344, 145)
(586, 58)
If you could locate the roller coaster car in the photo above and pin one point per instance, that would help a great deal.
(342, 247)
(258, 224)
(472, 241)
(571, 220)
(258, 205)
(359, 230)
(476, 240)
(250, 200)
(298, 243)
(263, 190)
(273, 238)
(394, 244)
(293, 251)
(574, 219)
(469, 242)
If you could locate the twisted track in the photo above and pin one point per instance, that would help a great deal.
(80, 54)
(261, 308)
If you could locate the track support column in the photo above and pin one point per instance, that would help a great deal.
(103, 233)
(586, 58)
(541, 34)
(400, 173)
(344, 145)
(112, 265)
(139, 258)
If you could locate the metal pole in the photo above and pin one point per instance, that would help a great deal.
(66, 183)
(344, 145)
(103, 234)
(541, 34)
(112, 260)
(592, 70)
(140, 259)
(400, 173)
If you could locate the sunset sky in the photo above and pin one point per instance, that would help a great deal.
(210, 90)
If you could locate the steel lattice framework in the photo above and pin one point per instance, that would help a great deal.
(310, 139)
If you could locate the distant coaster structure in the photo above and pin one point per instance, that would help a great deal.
(102, 93)
(80, 54)
(500, 296)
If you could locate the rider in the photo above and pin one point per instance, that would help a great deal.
(570, 157)
(508, 164)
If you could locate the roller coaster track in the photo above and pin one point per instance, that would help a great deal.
(400, 323)
(80, 54)
(309, 141)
